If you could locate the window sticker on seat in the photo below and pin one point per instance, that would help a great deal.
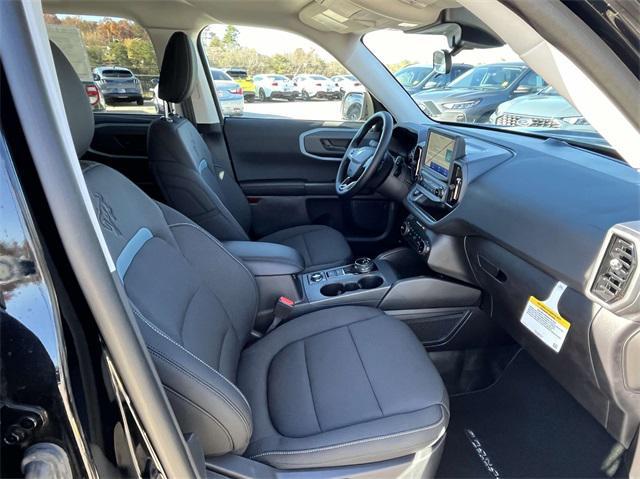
(543, 319)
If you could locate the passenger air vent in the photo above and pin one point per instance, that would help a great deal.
(416, 161)
(616, 269)
(455, 185)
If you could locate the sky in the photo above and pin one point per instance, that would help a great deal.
(390, 46)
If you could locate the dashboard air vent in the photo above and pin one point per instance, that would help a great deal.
(455, 185)
(616, 269)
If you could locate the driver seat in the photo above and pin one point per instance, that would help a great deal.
(194, 184)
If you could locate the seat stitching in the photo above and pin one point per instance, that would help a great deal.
(164, 335)
(306, 367)
(224, 337)
(219, 393)
(364, 369)
(186, 310)
(353, 443)
(206, 413)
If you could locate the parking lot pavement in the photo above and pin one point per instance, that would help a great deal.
(301, 110)
(132, 107)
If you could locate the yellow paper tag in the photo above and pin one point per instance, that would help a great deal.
(543, 319)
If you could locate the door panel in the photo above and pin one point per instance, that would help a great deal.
(287, 169)
(120, 141)
(265, 149)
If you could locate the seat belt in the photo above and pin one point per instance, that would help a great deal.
(281, 311)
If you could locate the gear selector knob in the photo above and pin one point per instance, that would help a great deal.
(363, 265)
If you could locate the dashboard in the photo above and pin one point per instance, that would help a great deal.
(519, 217)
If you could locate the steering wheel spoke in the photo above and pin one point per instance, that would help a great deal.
(361, 161)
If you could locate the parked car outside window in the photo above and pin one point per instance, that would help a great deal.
(270, 86)
(439, 80)
(229, 93)
(545, 109)
(317, 86)
(241, 76)
(413, 77)
(474, 96)
(347, 83)
(118, 84)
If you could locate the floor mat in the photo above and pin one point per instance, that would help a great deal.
(525, 425)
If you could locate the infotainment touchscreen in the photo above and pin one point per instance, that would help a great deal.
(440, 153)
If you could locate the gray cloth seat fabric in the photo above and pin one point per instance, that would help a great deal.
(341, 386)
(199, 187)
(320, 246)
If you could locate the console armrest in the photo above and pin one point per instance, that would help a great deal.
(266, 259)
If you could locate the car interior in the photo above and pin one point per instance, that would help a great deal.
(393, 297)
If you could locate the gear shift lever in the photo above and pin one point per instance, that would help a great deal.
(363, 265)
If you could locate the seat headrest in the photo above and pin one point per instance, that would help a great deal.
(177, 75)
(76, 102)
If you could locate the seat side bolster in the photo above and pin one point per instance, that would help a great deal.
(204, 401)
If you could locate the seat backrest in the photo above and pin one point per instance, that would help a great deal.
(195, 303)
(182, 163)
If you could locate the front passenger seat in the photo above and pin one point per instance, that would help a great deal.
(185, 171)
(331, 393)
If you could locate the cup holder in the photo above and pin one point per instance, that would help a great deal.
(336, 289)
(351, 287)
(370, 282)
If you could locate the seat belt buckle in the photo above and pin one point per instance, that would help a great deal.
(281, 311)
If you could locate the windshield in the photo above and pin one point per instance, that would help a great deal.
(219, 75)
(498, 89)
(491, 77)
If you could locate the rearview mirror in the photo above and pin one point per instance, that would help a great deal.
(442, 61)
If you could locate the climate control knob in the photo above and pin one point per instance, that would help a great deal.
(422, 247)
(404, 228)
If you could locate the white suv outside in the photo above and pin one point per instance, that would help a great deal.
(347, 83)
(316, 86)
(273, 85)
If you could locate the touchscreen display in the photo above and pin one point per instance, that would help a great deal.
(440, 153)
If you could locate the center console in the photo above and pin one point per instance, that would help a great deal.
(364, 281)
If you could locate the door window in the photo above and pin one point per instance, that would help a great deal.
(265, 73)
(114, 59)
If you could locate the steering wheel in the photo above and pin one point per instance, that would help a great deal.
(362, 158)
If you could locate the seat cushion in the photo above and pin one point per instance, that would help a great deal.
(341, 386)
(320, 246)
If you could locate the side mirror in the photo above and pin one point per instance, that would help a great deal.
(523, 90)
(96, 77)
(356, 106)
(442, 61)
